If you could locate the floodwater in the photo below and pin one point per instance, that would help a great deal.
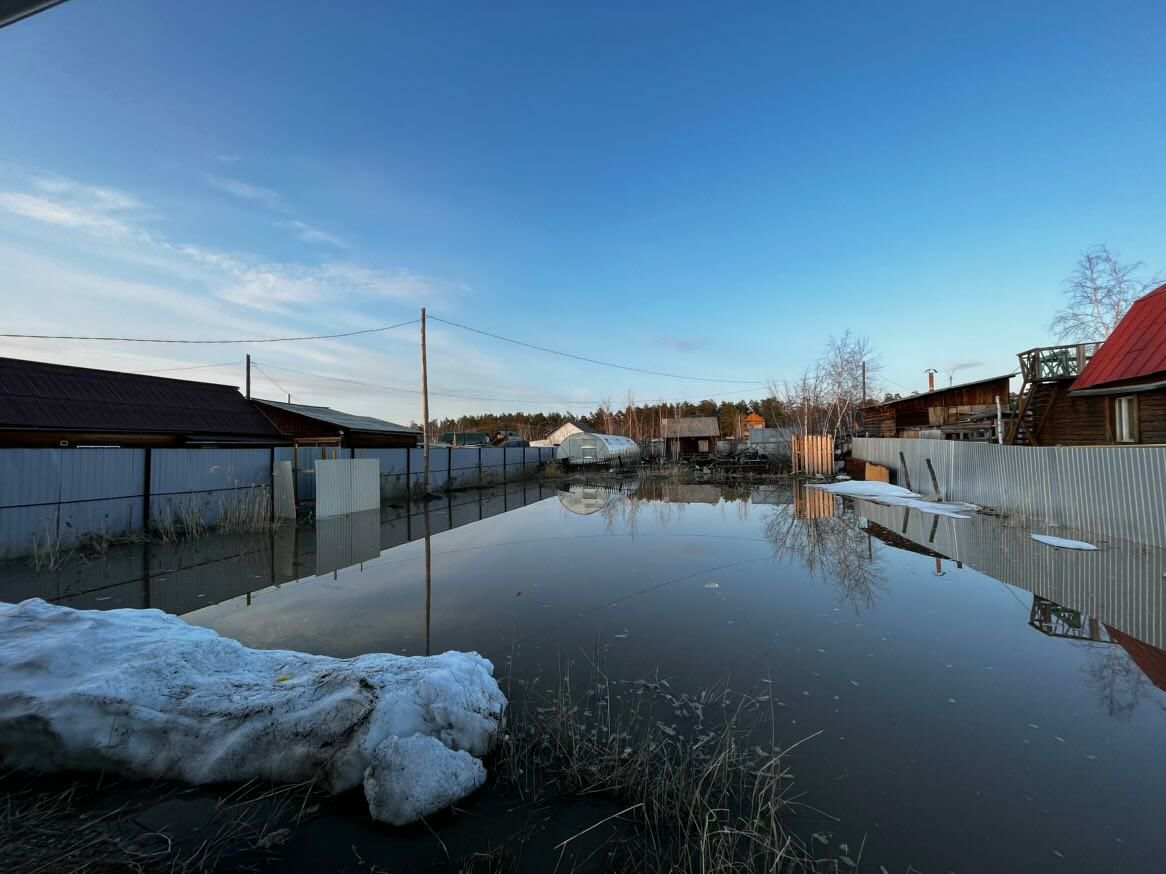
(974, 701)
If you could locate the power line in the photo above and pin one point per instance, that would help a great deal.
(590, 360)
(272, 381)
(415, 391)
(190, 367)
(209, 342)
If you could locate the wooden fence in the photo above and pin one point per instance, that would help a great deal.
(813, 454)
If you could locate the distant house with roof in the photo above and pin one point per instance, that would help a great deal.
(61, 406)
(958, 412)
(323, 426)
(754, 420)
(558, 435)
(1090, 394)
(695, 436)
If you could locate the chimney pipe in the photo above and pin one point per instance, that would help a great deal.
(931, 379)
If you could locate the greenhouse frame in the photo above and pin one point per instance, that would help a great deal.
(608, 449)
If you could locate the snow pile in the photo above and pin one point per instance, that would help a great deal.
(865, 489)
(1061, 542)
(897, 496)
(142, 693)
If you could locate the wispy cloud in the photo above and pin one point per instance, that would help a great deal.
(240, 189)
(309, 234)
(236, 278)
(680, 344)
(228, 158)
(59, 201)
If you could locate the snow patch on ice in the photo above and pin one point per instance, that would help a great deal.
(897, 496)
(142, 693)
(864, 489)
(1061, 542)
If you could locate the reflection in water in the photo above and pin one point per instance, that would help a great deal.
(828, 541)
(183, 577)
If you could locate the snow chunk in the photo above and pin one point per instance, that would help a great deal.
(415, 776)
(1061, 542)
(144, 694)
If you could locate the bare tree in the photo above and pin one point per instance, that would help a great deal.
(827, 399)
(1098, 293)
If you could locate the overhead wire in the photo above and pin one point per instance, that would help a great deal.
(188, 367)
(589, 360)
(210, 342)
(267, 376)
(563, 401)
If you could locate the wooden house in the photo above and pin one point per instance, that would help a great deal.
(754, 420)
(943, 412)
(322, 426)
(60, 406)
(685, 437)
(558, 435)
(1090, 394)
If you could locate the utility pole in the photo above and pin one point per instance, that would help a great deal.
(864, 382)
(424, 404)
(248, 376)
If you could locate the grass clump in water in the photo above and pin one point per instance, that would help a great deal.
(693, 789)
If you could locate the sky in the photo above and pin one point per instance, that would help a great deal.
(697, 189)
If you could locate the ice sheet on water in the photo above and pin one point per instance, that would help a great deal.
(144, 694)
(1062, 543)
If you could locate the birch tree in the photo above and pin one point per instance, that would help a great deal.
(1097, 294)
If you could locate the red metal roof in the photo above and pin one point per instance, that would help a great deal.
(1135, 350)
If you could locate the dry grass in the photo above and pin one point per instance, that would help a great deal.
(69, 828)
(246, 511)
(48, 554)
(693, 788)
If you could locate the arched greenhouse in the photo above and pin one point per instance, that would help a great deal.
(607, 449)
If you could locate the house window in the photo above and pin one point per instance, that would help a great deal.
(1125, 419)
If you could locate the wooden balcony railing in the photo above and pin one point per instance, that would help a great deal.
(1055, 362)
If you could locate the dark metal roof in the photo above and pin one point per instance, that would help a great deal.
(1135, 350)
(347, 421)
(940, 390)
(12, 11)
(698, 426)
(56, 397)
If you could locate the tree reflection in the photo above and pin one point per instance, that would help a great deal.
(832, 547)
(1117, 681)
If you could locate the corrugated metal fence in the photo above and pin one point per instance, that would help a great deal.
(1122, 585)
(1116, 491)
(61, 495)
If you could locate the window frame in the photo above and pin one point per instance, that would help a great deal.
(1130, 403)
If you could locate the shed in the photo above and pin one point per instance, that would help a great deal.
(608, 449)
(323, 426)
(466, 438)
(58, 405)
(558, 435)
(695, 436)
(916, 413)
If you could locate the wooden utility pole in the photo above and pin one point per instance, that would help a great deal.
(424, 405)
(248, 376)
(863, 404)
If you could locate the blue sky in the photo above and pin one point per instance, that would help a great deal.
(707, 189)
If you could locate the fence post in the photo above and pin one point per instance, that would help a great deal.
(149, 474)
(479, 467)
(906, 472)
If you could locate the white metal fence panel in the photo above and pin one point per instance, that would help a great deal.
(1117, 491)
(347, 486)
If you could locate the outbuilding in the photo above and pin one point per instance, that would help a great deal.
(323, 426)
(557, 436)
(695, 436)
(608, 449)
(61, 406)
